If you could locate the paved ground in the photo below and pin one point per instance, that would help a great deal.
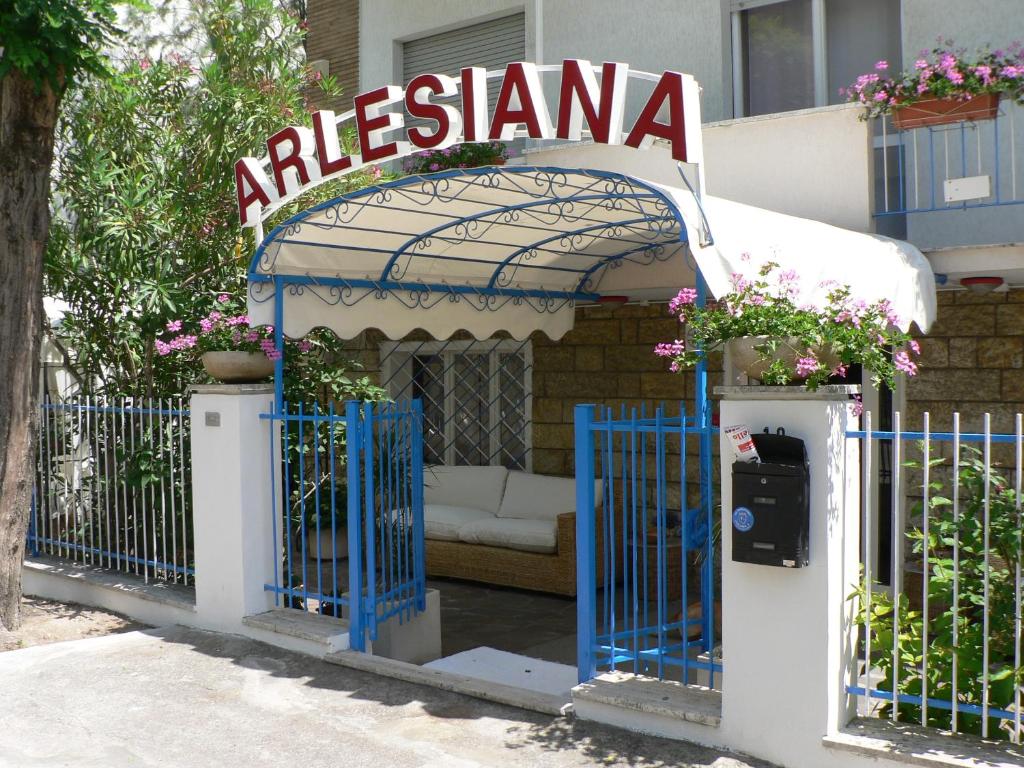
(47, 621)
(177, 697)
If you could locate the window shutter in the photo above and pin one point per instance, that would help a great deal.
(490, 44)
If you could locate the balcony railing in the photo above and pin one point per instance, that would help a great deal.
(952, 167)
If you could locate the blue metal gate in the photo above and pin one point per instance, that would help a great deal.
(640, 529)
(349, 487)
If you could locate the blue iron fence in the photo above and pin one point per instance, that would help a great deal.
(641, 526)
(350, 512)
(113, 486)
(918, 164)
(942, 644)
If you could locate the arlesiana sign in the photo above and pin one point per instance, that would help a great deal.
(299, 158)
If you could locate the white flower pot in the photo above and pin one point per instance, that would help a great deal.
(339, 550)
(238, 367)
(745, 358)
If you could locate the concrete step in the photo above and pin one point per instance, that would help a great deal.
(546, 703)
(326, 631)
(649, 696)
(911, 744)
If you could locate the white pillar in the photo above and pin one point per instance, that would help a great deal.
(232, 503)
(788, 634)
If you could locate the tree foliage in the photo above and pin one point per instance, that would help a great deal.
(50, 41)
(149, 229)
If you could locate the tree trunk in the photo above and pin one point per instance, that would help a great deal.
(28, 117)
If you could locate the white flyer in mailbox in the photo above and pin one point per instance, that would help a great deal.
(742, 443)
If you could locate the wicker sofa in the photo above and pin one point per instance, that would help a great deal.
(503, 527)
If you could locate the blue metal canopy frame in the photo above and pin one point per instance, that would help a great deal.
(579, 200)
(626, 219)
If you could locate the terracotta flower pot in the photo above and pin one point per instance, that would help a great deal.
(745, 357)
(934, 111)
(231, 367)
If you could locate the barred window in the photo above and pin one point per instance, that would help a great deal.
(476, 398)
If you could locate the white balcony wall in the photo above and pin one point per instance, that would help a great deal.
(960, 151)
(814, 163)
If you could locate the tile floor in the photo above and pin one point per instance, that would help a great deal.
(529, 623)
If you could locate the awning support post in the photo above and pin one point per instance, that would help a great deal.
(703, 417)
(279, 344)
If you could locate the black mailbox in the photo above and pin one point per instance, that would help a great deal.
(771, 503)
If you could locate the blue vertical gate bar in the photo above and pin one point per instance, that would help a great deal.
(369, 527)
(419, 537)
(586, 544)
(703, 420)
(357, 632)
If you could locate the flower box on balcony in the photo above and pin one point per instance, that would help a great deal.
(935, 111)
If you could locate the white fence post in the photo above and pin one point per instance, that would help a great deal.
(232, 503)
(788, 634)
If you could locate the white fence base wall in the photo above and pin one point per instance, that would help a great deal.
(146, 603)
(415, 640)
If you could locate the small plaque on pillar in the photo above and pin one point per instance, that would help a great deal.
(212, 419)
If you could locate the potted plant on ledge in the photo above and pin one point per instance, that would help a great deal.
(231, 350)
(945, 87)
(469, 155)
(775, 341)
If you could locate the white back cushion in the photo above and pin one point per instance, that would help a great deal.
(540, 497)
(473, 487)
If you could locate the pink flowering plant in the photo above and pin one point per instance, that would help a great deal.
(316, 366)
(225, 328)
(468, 155)
(943, 73)
(801, 342)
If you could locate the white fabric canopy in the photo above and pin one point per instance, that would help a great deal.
(822, 255)
(515, 249)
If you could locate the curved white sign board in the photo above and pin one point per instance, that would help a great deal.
(299, 158)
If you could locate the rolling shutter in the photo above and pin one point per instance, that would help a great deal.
(490, 44)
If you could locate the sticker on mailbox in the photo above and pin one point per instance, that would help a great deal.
(742, 519)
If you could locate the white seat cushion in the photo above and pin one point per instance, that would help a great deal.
(540, 497)
(443, 523)
(470, 487)
(524, 535)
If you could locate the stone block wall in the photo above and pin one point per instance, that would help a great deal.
(972, 361)
(606, 359)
